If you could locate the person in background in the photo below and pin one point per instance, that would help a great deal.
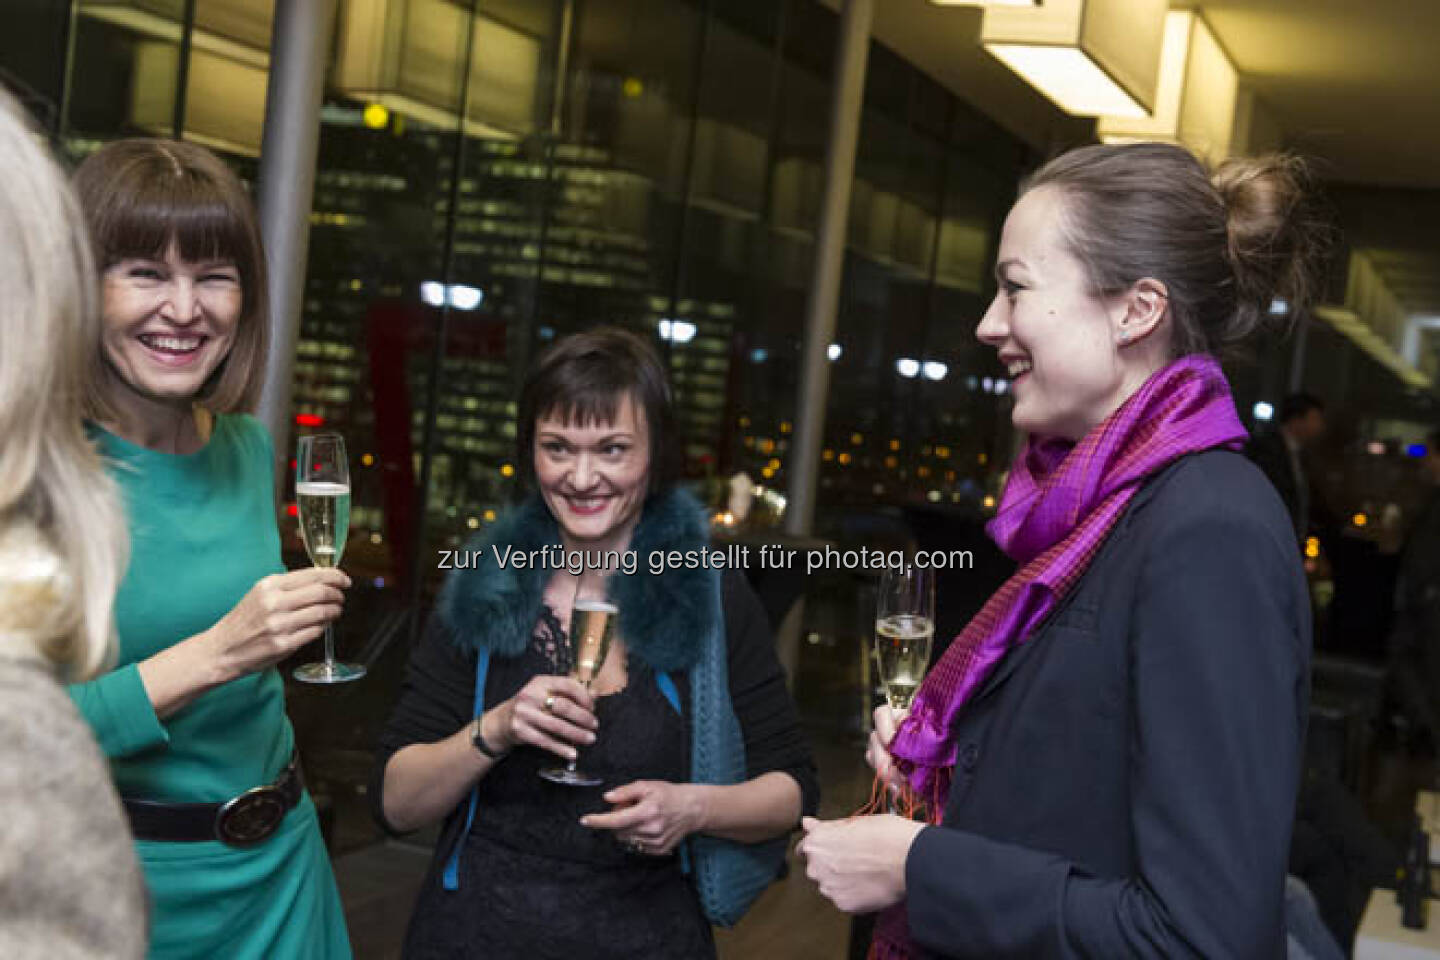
(1280, 453)
(193, 715)
(691, 688)
(1110, 750)
(70, 886)
(1415, 633)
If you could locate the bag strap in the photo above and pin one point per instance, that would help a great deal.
(451, 879)
(667, 687)
(672, 694)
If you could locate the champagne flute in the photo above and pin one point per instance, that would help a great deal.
(904, 632)
(592, 628)
(322, 492)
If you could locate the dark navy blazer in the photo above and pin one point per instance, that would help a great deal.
(1126, 779)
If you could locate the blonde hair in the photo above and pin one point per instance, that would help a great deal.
(141, 198)
(51, 478)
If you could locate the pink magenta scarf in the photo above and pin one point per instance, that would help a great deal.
(1059, 505)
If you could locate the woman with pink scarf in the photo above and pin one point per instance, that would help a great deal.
(1109, 752)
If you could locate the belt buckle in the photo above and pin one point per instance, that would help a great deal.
(252, 817)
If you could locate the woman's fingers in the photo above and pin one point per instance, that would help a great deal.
(883, 763)
(639, 815)
(309, 576)
(554, 726)
(625, 818)
(281, 646)
(628, 793)
(282, 624)
(551, 713)
(559, 705)
(876, 754)
(545, 716)
(310, 595)
(572, 690)
(302, 637)
(555, 699)
(887, 720)
(550, 691)
(536, 738)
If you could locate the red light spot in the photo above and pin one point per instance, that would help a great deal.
(292, 510)
(309, 420)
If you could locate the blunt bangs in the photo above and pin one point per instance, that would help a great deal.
(190, 215)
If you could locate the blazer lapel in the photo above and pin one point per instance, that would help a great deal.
(1086, 612)
(1015, 656)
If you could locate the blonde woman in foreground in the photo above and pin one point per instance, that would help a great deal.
(69, 882)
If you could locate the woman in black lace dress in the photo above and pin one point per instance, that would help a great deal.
(688, 723)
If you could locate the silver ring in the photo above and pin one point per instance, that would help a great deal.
(635, 846)
(550, 703)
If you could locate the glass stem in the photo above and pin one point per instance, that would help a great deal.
(571, 765)
(329, 643)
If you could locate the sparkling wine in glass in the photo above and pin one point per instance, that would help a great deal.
(904, 631)
(592, 628)
(902, 652)
(322, 494)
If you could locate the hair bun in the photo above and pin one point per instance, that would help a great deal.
(1274, 235)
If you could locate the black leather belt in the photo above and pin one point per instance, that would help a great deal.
(242, 821)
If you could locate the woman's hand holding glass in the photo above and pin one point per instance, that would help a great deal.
(279, 615)
(587, 643)
(877, 752)
(556, 714)
(859, 863)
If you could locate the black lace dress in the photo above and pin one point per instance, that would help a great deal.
(534, 883)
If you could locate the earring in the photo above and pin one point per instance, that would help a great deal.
(1124, 337)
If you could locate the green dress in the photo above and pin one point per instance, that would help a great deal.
(202, 532)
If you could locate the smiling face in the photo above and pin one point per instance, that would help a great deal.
(594, 476)
(169, 324)
(1058, 341)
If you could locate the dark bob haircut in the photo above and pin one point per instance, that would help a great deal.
(582, 380)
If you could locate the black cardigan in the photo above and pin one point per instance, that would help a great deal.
(438, 695)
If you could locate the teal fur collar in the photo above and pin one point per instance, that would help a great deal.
(664, 619)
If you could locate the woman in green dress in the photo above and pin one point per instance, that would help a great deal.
(192, 718)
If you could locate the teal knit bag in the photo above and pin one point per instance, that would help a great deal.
(729, 876)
